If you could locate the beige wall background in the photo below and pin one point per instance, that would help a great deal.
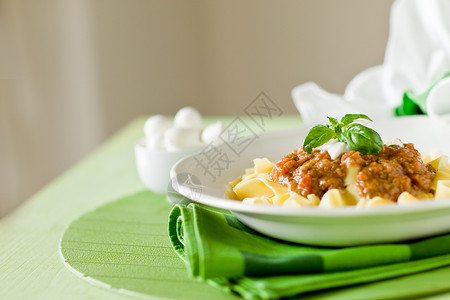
(72, 72)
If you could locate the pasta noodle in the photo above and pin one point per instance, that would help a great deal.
(256, 187)
(443, 189)
(335, 198)
(376, 201)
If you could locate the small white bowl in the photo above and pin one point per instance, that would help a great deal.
(154, 165)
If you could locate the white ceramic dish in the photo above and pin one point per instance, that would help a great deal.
(326, 227)
(153, 165)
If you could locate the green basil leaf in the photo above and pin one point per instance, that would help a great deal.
(317, 136)
(348, 118)
(334, 122)
(361, 138)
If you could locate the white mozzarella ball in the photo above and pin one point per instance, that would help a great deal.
(157, 124)
(337, 149)
(188, 117)
(182, 138)
(155, 141)
(211, 133)
(334, 148)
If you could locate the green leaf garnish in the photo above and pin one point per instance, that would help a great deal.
(363, 139)
(358, 137)
(349, 118)
(317, 136)
(334, 122)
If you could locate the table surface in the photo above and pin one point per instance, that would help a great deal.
(30, 263)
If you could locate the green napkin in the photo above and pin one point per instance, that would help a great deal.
(217, 248)
(416, 104)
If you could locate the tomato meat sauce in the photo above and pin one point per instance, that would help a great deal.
(394, 170)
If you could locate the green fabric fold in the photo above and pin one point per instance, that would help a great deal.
(416, 104)
(219, 249)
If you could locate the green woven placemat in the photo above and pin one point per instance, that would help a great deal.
(124, 246)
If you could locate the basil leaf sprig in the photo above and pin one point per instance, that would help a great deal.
(358, 137)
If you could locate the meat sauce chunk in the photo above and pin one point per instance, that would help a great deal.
(394, 170)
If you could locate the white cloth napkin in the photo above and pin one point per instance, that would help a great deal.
(417, 55)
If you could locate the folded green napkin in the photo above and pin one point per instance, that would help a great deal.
(413, 104)
(219, 249)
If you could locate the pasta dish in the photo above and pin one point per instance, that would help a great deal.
(317, 175)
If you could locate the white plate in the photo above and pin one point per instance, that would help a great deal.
(326, 227)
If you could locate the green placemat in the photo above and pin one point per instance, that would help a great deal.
(124, 246)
